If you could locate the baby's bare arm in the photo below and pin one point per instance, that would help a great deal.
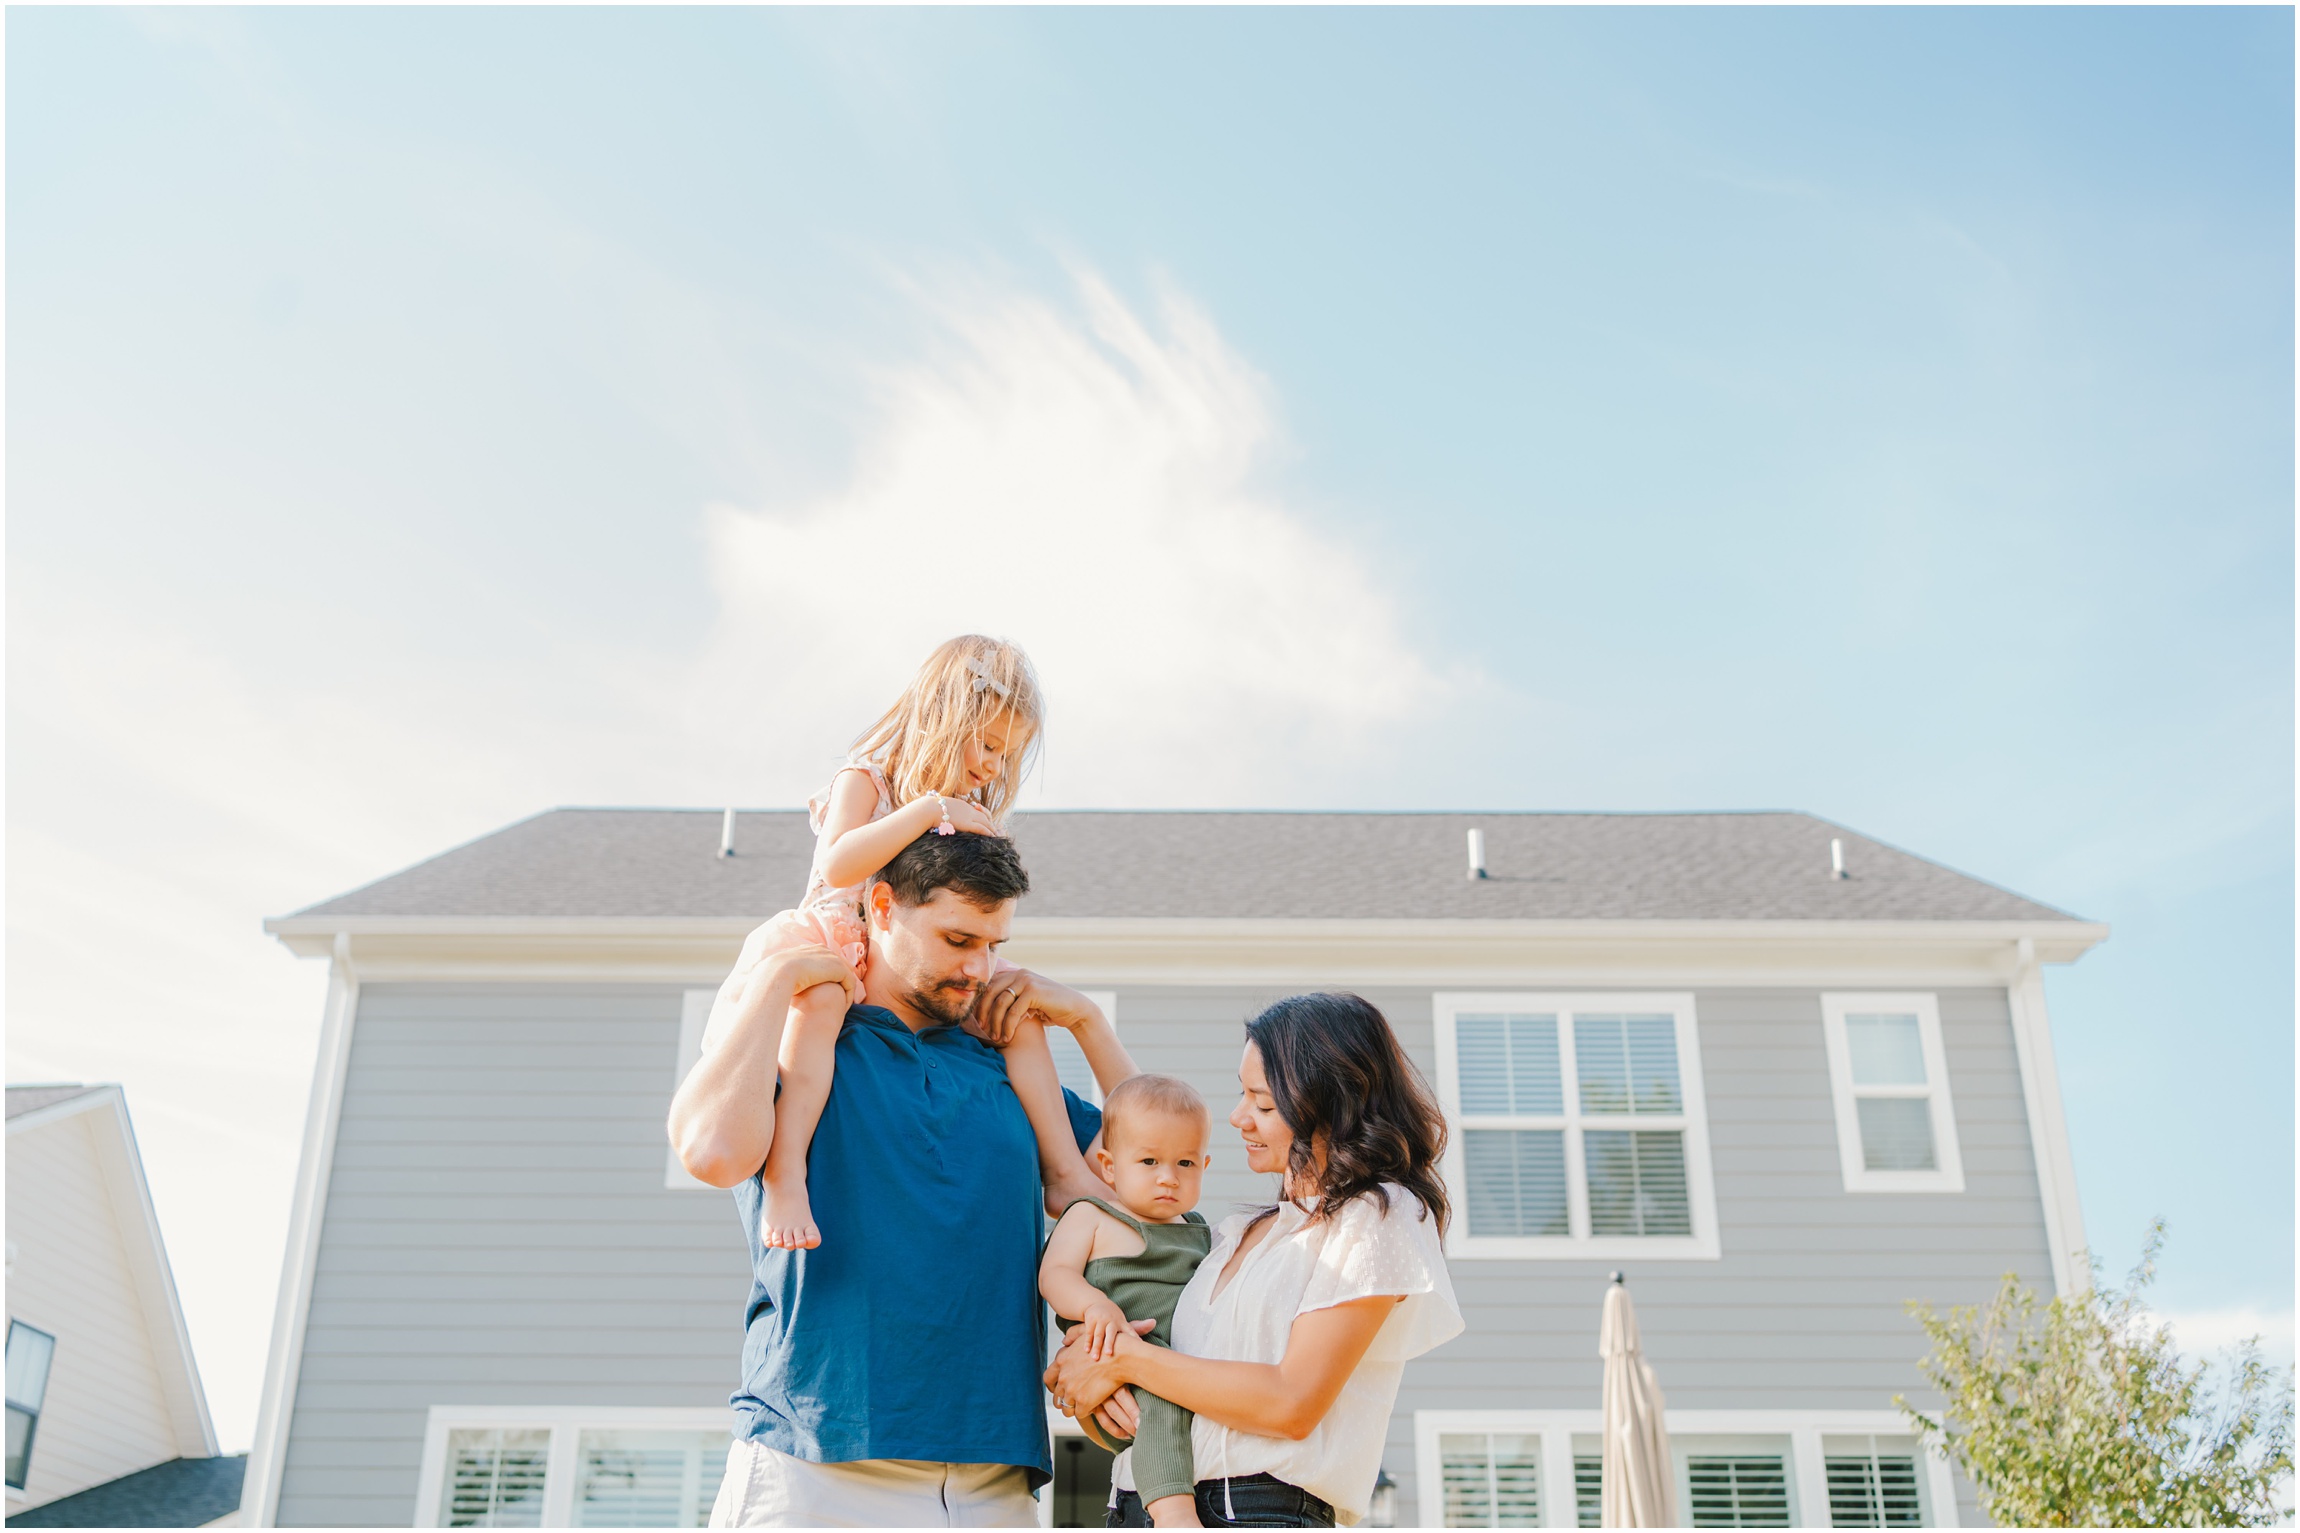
(1062, 1275)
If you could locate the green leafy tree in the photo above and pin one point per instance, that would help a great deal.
(2078, 1412)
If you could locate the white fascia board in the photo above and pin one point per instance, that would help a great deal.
(121, 1165)
(1113, 951)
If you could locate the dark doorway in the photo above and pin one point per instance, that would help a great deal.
(1081, 1483)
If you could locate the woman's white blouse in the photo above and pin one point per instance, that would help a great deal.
(1298, 1267)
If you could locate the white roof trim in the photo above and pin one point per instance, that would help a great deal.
(122, 1167)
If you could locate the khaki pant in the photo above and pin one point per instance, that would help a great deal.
(767, 1489)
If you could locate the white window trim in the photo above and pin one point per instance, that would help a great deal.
(1700, 1186)
(564, 1423)
(694, 1012)
(1808, 1469)
(1949, 1175)
(1057, 1424)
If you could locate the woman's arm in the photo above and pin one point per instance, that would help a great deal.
(859, 846)
(1283, 1399)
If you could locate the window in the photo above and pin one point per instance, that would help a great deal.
(1492, 1480)
(495, 1478)
(1579, 1126)
(1896, 1128)
(1874, 1482)
(29, 1354)
(1739, 1490)
(1732, 1468)
(520, 1467)
(1588, 1490)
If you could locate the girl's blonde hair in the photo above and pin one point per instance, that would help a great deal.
(920, 743)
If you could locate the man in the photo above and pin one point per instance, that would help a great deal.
(891, 1374)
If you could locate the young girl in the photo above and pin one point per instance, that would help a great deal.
(947, 757)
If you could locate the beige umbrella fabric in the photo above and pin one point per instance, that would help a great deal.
(1640, 1486)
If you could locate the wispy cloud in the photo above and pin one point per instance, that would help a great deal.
(1083, 479)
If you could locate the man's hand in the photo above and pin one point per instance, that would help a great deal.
(1017, 994)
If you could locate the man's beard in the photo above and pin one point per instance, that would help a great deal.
(949, 1003)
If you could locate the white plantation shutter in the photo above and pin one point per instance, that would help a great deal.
(1516, 1181)
(1873, 1482)
(1588, 1490)
(1738, 1491)
(1627, 1064)
(647, 1479)
(1492, 1480)
(495, 1477)
(1572, 1124)
(1637, 1183)
(1509, 1065)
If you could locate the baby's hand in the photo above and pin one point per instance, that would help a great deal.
(1104, 1322)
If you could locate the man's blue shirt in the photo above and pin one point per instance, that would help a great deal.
(914, 1330)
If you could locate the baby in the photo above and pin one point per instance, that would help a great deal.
(1107, 1264)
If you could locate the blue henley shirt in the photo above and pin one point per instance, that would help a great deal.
(914, 1330)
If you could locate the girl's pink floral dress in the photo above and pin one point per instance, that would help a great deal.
(826, 917)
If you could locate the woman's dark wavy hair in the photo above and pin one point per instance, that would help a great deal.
(1338, 1075)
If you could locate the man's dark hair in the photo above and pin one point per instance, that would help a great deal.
(985, 871)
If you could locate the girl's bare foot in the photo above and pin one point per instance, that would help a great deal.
(787, 1222)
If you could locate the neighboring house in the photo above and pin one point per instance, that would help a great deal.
(104, 1399)
(1784, 1102)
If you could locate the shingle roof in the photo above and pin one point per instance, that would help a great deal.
(607, 863)
(24, 1099)
(181, 1493)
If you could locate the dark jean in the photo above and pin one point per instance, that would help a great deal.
(1260, 1501)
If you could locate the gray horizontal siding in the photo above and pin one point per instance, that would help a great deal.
(497, 1231)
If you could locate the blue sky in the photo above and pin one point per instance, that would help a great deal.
(419, 417)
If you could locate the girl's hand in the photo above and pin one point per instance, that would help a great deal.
(969, 816)
(1103, 1323)
(807, 967)
(1014, 994)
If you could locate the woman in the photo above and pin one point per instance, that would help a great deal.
(1291, 1338)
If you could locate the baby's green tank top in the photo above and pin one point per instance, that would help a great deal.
(1146, 1285)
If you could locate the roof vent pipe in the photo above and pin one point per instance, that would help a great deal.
(727, 834)
(1477, 854)
(1837, 858)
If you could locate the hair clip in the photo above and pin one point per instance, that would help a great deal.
(983, 678)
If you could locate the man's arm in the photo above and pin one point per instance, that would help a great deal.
(723, 1114)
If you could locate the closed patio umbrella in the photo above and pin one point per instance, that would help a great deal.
(1640, 1488)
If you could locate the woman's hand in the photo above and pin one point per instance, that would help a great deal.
(1079, 1381)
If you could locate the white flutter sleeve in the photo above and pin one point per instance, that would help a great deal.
(1368, 1251)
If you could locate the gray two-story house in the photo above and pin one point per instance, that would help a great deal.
(1784, 1078)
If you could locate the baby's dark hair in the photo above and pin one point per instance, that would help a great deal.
(1142, 1095)
(985, 871)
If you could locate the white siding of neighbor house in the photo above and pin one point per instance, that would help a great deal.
(106, 1412)
(497, 1231)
